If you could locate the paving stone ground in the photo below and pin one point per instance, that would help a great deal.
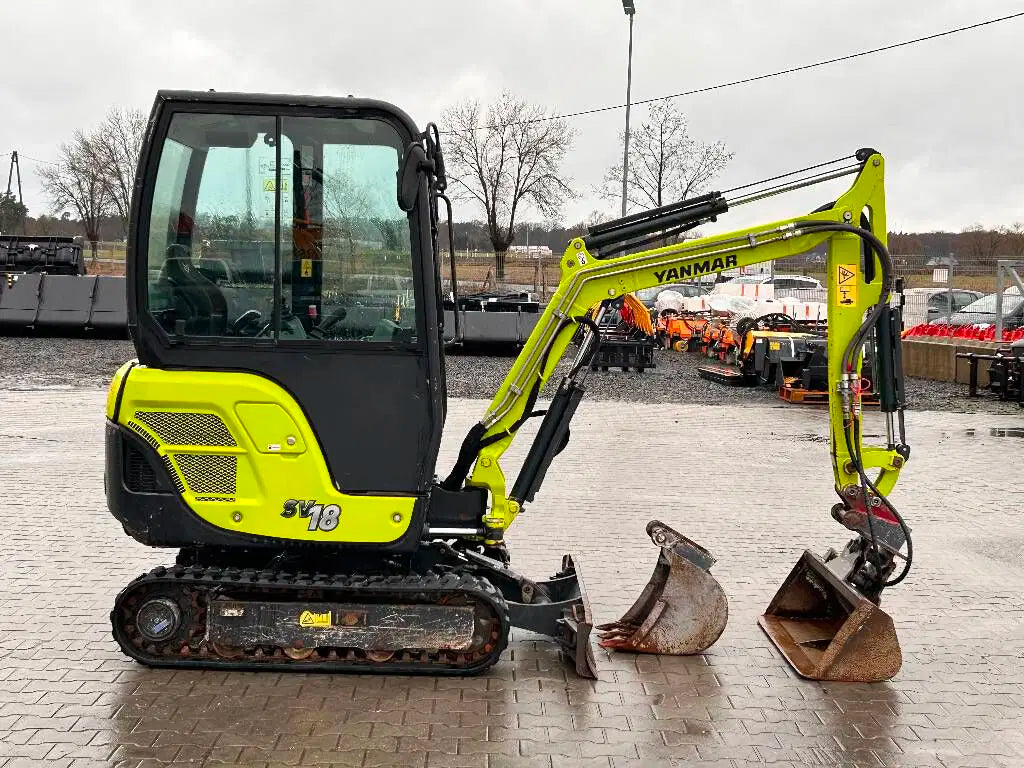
(751, 483)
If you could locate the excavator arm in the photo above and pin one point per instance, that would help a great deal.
(860, 286)
(587, 279)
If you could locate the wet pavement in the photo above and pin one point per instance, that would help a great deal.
(37, 362)
(751, 483)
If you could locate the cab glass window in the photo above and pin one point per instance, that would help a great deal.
(346, 257)
(267, 227)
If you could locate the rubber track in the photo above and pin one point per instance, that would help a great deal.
(330, 587)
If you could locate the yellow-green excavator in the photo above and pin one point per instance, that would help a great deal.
(281, 425)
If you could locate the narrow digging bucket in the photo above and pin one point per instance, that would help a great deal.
(682, 610)
(827, 630)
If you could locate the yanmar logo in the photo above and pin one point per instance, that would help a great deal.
(310, 619)
(705, 267)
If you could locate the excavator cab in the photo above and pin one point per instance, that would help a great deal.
(270, 239)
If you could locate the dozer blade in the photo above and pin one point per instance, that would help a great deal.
(827, 630)
(559, 609)
(682, 610)
(576, 625)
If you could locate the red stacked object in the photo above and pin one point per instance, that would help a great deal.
(968, 332)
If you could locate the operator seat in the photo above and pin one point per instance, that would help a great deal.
(198, 302)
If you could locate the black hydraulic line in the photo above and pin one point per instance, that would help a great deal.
(641, 228)
(550, 440)
(638, 225)
(474, 441)
(861, 156)
(849, 355)
(790, 186)
(883, 253)
(586, 359)
(648, 239)
(467, 455)
(899, 518)
(650, 213)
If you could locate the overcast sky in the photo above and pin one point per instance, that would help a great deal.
(947, 114)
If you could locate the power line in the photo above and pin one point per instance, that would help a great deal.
(779, 73)
(37, 160)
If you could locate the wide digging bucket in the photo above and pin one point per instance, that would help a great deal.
(827, 630)
(682, 610)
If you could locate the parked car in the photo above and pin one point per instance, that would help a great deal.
(922, 305)
(380, 290)
(789, 282)
(983, 311)
(649, 295)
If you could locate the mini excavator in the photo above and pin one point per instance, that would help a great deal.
(281, 424)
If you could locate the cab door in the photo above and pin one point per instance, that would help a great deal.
(262, 231)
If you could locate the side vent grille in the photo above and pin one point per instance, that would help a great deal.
(186, 428)
(207, 473)
(173, 473)
(144, 435)
(138, 474)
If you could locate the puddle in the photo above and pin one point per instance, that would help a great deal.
(998, 432)
(812, 438)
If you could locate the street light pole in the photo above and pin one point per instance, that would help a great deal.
(630, 9)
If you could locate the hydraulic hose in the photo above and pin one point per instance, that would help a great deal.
(847, 365)
(475, 441)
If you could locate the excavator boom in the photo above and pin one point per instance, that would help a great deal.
(860, 285)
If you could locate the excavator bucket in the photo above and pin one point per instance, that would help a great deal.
(682, 610)
(827, 630)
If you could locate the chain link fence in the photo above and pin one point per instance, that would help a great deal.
(933, 284)
(936, 288)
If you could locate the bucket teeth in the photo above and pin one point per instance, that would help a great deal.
(827, 630)
(682, 610)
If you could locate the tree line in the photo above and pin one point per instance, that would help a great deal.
(89, 188)
(505, 164)
(505, 161)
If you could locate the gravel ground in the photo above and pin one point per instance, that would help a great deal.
(37, 362)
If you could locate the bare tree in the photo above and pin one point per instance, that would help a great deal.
(666, 164)
(1014, 237)
(506, 157)
(979, 244)
(115, 147)
(77, 182)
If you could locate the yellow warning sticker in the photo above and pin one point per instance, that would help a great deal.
(310, 619)
(270, 185)
(307, 267)
(846, 284)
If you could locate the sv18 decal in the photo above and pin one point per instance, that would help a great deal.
(321, 517)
